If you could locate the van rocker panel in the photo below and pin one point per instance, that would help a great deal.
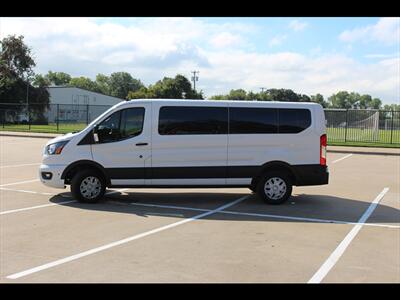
(304, 174)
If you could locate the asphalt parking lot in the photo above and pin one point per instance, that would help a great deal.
(347, 231)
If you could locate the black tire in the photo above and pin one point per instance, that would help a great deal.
(277, 197)
(88, 175)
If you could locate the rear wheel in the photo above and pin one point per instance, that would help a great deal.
(275, 187)
(88, 186)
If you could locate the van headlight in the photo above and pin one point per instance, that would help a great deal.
(55, 148)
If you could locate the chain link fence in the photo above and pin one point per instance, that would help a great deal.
(352, 125)
(60, 118)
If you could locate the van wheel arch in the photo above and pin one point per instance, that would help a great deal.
(77, 166)
(274, 166)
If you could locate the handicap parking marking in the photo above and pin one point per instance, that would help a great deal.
(341, 248)
(123, 241)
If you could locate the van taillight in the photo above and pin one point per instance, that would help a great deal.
(322, 151)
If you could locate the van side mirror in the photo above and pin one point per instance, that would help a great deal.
(95, 133)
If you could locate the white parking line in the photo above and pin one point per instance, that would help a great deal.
(120, 242)
(28, 192)
(23, 165)
(19, 182)
(307, 219)
(44, 205)
(264, 215)
(344, 157)
(116, 191)
(194, 209)
(334, 257)
(33, 207)
(52, 194)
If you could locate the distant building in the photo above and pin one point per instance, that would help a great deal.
(78, 96)
(76, 105)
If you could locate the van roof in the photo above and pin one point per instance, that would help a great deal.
(236, 102)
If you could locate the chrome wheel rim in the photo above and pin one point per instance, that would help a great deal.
(275, 188)
(90, 187)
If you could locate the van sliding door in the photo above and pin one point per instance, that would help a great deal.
(189, 145)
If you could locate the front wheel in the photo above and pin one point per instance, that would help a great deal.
(275, 187)
(88, 186)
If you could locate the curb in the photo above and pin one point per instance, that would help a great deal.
(365, 152)
(31, 135)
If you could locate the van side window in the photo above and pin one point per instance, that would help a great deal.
(253, 120)
(293, 120)
(121, 125)
(132, 122)
(181, 120)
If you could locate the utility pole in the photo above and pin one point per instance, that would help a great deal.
(262, 89)
(195, 78)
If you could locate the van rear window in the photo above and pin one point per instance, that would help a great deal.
(249, 120)
(293, 120)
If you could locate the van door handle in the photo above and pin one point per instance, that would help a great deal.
(142, 144)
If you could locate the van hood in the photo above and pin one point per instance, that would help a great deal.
(65, 137)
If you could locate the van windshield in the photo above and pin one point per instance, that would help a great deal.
(101, 116)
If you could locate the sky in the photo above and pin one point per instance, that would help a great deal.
(308, 55)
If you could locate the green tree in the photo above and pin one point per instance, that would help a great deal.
(366, 101)
(394, 107)
(58, 78)
(318, 98)
(376, 103)
(305, 98)
(16, 60)
(238, 94)
(344, 99)
(40, 80)
(103, 84)
(284, 95)
(142, 93)
(121, 83)
(84, 83)
(218, 97)
(252, 96)
(16, 69)
(340, 100)
(174, 88)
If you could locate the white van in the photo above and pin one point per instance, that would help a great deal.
(265, 146)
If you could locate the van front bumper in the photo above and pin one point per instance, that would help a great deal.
(311, 174)
(50, 175)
